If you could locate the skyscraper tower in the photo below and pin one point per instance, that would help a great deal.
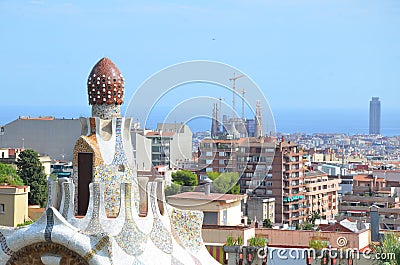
(375, 116)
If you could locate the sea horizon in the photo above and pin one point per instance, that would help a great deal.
(287, 121)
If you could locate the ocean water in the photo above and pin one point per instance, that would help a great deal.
(286, 120)
(335, 121)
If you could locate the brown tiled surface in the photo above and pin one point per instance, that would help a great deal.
(105, 84)
(32, 254)
(88, 144)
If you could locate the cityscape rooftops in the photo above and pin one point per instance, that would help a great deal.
(315, 173)
(162, 134)
(228, 198)
(364, 177)
(44, 118)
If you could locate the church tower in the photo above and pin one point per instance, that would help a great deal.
(259, 124)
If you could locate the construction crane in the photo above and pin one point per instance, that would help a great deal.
(220, 107)
(243, 92)
(234, 78)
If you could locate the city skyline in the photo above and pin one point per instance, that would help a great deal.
(317, 63)
(286, 121)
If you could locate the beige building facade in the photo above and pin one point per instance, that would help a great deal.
(322, 194)
(218, 209)
(13, 205)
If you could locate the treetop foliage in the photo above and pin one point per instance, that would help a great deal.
(225, 182)
(8, 175)
(32, 173)
(185, 178)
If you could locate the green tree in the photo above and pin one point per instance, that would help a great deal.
(390, 244)
(213, 175)
(9, 176)
(257, 241)
(172, 189)
(226, 183)
(306, 226)
(32, 173)
(185, 178)
(318, 243)
(267, 223)
(314, 216)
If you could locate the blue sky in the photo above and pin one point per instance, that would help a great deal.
(310, 56)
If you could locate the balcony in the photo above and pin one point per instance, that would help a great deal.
(370, 199)
(293, 198)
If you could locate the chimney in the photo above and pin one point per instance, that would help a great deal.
(207, 186)
(373, 212)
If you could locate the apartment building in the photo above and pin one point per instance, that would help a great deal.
(160, 147)
(287, 184)
(322, 194)
(274, 169)
(371, 190)
(254, 163)
(218, 155)
(171, 143)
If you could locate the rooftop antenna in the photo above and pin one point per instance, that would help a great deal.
(234, 78)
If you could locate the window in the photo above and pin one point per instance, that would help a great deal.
(269, 183)
(206, 145)
(269, 176)
(208, 153)
(260, 167)
(209, 169)
(241, 158)
(225, 217)
(210, 218)
(221, 153)
(255, 183)
(269, 192)
(2, 208)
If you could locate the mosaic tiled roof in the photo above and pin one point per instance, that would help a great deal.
(105, 84)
